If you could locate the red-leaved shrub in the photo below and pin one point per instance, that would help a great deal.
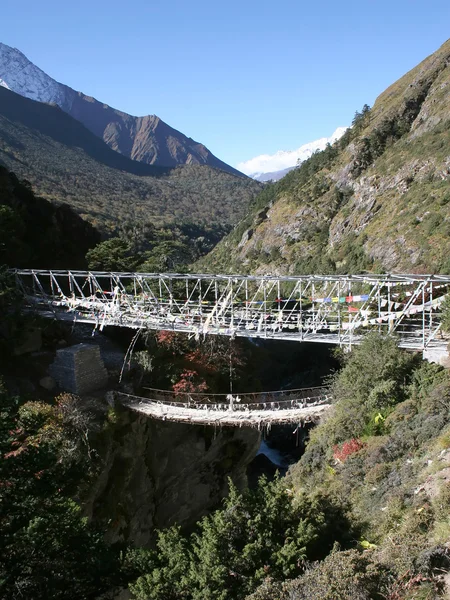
(347, 449)
(189, 383)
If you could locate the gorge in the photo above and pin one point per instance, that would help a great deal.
(193, 281)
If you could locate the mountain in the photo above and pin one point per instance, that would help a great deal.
(283, 161)
(65, 162)
(272, 176)
(146, 139)
(378, 199)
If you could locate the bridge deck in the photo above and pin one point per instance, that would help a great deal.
(262, 416)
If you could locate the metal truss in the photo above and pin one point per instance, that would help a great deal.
(333, 309)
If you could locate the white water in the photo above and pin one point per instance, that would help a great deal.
(275, 456)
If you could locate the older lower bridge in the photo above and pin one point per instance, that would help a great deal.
(333, 309)
(260, 410)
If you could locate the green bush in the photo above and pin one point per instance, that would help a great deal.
(265, 532)
(348, 575)
(47, 548)
(446, 314)
(374, 379)
(345, 575)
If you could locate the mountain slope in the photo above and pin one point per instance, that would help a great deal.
(34, 233)
(146, 139)
(66, 162)
(378, 199)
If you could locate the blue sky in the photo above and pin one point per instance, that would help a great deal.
(245, 78)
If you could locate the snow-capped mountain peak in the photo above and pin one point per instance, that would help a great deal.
(285, 160)
(146, 139)
(20, 75)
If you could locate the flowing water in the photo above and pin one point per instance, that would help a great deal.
(279, 459)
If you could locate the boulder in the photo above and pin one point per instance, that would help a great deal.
(48, 383)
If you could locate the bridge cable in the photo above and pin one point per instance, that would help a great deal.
(129, 353)
(231, 366)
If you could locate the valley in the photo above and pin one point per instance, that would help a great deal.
(99, 499)
(66, 163)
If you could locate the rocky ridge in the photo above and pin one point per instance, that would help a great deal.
(146, 139)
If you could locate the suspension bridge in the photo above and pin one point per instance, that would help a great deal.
(332, 309)
(316, 308)
(260, 410)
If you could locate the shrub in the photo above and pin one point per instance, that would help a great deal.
(189, 383)
(443, 441)
(261, 533)
(347, 449)
(377, 473)
(446, 314)
(47, 548)
(349, 575)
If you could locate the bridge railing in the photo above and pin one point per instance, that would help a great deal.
(254, 401)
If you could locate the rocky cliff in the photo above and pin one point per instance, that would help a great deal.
(378, 199)
(156, 473)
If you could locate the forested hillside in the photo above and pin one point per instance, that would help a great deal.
(67, 163)
(363, 515)
(47, 548)
(36, 233)
(378, 199)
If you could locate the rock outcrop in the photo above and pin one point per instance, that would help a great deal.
(154, 474)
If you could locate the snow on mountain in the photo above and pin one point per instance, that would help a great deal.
(20, 75)
(272, 175)
(282, 160)
(146, 139)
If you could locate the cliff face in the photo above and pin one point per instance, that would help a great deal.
(378, 199)
(157, 473)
